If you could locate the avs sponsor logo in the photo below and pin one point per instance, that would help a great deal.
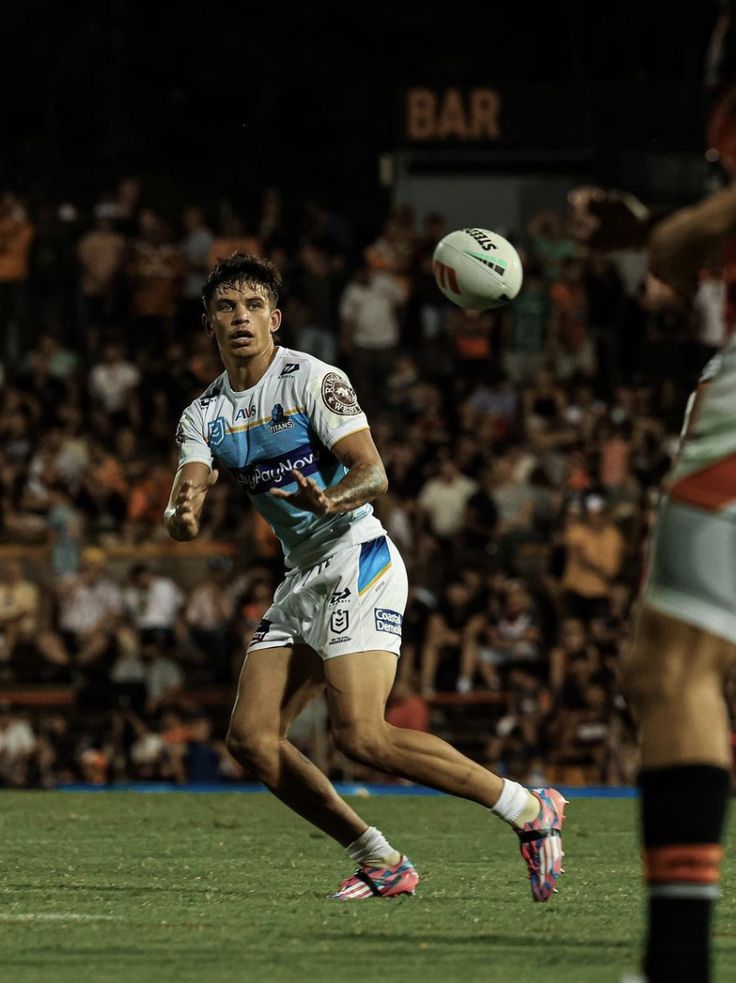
(262, 630)
(216, 431)
(388, 620)
(279, 421)
(289, 369)
(245, 414)
(339, 595)
(339, 621)
(259, 477)
(339, 396)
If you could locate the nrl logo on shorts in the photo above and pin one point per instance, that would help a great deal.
(339, 621)
(339, 396)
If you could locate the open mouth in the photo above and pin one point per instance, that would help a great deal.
(241, 337)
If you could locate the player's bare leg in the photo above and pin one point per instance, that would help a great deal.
(275, 686)
(358, 687)
(674, 677)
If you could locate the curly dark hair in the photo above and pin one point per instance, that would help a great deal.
(247, 268)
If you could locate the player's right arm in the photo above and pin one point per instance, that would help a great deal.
(679, 245)
(183, 513)
(194, 477)
(683, 244)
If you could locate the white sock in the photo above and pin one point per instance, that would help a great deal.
(372, 847)
(515, 800)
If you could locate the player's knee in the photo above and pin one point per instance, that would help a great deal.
(256, 752)
(361, 743)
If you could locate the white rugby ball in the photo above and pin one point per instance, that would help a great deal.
(477, 269)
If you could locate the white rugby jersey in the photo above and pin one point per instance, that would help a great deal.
(290, 419)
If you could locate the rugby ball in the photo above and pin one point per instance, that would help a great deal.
(477, 269)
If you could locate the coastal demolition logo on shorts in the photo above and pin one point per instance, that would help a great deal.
(387, 620)
(262, 630)
(339, 396)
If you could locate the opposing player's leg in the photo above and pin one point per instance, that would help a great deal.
(674, 677)
(358, 686)
(275, 685)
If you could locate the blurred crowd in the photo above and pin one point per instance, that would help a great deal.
(524, 448)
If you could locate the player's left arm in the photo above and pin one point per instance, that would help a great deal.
(366, 479)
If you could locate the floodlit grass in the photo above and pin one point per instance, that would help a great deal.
(222, 887)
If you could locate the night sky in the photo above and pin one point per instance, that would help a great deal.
(219, 98)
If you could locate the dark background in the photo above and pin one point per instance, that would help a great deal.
(226, 98)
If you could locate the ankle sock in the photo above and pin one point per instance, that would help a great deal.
(516, 805)
(372, 847)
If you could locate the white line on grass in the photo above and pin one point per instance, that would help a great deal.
(54, 916)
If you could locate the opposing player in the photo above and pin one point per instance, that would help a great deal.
(685, 635)
(290, 431)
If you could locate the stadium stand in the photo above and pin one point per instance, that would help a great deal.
(516, 443)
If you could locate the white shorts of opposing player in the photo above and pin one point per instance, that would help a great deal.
(691, 569)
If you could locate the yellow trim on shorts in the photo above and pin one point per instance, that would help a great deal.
(377, 577)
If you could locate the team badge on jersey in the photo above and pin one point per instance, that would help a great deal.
(279, 421)
(339, 396)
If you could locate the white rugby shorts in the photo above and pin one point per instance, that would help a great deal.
(692, 573)
(353, 601)
(692, 559)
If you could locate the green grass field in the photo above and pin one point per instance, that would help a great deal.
(222, 887)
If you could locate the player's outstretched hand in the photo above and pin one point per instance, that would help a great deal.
(603, 219)
(189, 502)
(308, 495)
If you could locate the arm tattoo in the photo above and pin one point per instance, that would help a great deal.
(361, 484)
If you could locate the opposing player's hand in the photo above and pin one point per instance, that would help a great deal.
(604, 220)
(188, 503)
(308, 495)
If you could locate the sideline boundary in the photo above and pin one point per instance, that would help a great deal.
(343, 788)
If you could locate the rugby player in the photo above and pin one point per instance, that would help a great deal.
(684, 644)
(289, 430)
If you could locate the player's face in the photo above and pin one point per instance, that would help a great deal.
(242, 321)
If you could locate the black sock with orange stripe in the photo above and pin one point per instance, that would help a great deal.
(683, 809)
